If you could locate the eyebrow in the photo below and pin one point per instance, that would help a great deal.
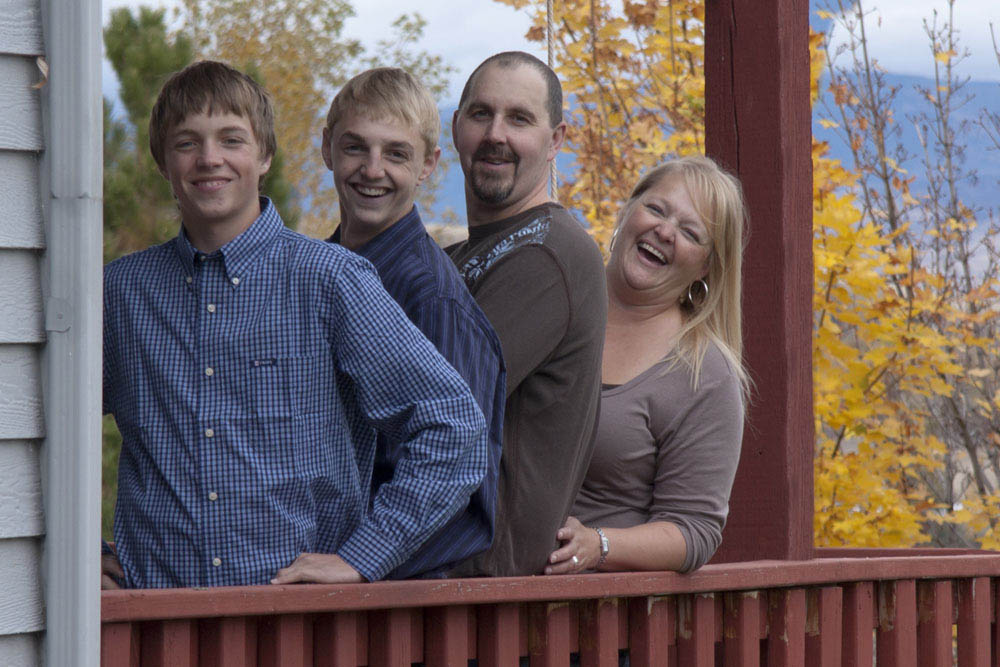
(351, 136)
(227, 129)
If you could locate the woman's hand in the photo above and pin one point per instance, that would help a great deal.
(580, 550)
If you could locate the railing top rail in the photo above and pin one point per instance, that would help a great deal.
(138, 605)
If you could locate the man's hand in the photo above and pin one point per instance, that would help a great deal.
(110, 568)
(318, 569)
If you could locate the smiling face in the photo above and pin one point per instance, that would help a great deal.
(662, 246)
(505, 142)
(377, 166)
(214, 165)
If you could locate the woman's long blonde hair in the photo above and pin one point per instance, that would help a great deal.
(718, 198)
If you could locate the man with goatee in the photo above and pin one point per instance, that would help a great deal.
(539, 278)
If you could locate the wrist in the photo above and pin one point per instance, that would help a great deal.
(603, 547)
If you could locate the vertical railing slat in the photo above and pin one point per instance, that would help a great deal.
(446, 636)
(896, 644)
(285, 641)
(824, 626)
(696, 630)
(599, 633)
(859, 622)
(390, 634)
(995, 661)
(651, 629)
(974, 622)
(934, 613)
(228, 641)
(786, 645)
(120, 645)
(498, 643)
(335, 640)
(741, 629)
(169, 643)
(548, 634)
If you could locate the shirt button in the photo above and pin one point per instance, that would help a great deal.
(209, 371)
(236, 281)
(212, 495)
(209, 432)
(189, 280)
(216, 561)
(211, 307)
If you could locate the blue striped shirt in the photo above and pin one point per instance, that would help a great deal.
(248, 386)
(424, 281)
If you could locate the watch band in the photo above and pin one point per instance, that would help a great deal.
(605, 547)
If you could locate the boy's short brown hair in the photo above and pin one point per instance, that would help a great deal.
(212, 87)
(389, 92)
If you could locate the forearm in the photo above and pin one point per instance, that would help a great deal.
(652, 546)
(658, 545)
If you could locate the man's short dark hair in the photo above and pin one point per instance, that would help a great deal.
(509, 59)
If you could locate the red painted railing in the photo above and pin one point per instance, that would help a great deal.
(907, 611)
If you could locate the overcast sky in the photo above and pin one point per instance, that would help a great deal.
(467, 33)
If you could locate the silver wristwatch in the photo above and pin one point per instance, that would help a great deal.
(605, 547)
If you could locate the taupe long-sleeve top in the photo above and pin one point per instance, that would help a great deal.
(667, 452)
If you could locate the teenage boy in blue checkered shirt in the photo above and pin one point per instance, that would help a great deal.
(249, 369)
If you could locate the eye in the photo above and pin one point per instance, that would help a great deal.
(397, 156)
(520, 119)
(352, 149)
(479, 114)
(183, 144)
(655, 208)
(691, 234)
(233, 141)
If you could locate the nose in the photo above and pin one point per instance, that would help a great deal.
(210, 155)
(372, 168)
(667, 229)
(494, 131)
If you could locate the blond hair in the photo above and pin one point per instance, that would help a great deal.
(389, 92)
(718, 198)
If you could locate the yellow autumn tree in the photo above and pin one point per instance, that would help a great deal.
(941, 295)
(635, 76)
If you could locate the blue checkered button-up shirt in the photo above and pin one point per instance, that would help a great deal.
(425, 283)
(246, 385)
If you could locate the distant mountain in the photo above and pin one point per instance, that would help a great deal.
(980, 155)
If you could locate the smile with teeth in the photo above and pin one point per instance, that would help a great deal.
(213, 184)
(650, 250)
(370, 191)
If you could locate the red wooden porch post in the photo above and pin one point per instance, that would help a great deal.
(758, 125)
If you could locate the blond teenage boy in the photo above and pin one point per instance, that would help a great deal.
(249, 369)
(380, 142)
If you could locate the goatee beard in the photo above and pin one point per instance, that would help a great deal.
(492, 188)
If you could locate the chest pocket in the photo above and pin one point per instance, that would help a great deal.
(291, 386)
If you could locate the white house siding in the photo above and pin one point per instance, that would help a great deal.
(21, 334)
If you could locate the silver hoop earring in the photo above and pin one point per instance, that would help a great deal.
(704, 288)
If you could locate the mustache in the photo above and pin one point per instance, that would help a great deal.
(488, 151)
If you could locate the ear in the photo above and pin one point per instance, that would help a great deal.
(558, 136)
(326, 150)
(430, 163)
(265, 165)
(454, 125)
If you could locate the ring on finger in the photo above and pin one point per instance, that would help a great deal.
(576, 561)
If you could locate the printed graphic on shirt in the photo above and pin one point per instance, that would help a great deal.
(533, 233)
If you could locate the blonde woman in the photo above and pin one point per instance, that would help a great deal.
(656, 494)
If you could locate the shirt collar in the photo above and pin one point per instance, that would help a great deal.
(383, 247)
(239, 254)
